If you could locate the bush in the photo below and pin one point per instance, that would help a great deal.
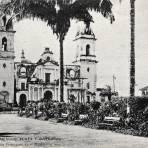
(138, 113)
(143, 129)
(95, 105)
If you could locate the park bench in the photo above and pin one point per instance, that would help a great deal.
(78, 122)
(108, 122)
(83, 117)
(64, 115)
(60, 120)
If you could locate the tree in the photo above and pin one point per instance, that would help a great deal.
(58, 15)
(132, 52)
(108, 92)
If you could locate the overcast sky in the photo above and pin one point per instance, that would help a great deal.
(112, 46)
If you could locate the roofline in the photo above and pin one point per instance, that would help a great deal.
(82, 37)
(12, 31)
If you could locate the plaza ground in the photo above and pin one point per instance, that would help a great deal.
(24, 132)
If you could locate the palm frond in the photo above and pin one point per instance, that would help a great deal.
(80, 14)
(42, 9)
(59, 20)
(102, 6)
(61, 23)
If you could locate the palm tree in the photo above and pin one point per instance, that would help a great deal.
(58, 15)
(132, 52)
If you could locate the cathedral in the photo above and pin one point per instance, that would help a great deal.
(25, 80)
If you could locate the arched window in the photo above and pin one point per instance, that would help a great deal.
(4, 44)
(87, 49)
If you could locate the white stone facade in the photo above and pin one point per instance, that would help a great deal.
(86, 58)
(80, 78)
(24, 80)
(6, 63)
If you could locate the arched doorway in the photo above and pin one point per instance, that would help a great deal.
(48, 95)
(4, 96)
(23, 100)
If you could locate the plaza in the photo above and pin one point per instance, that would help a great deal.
(18, 132)
(91, 90)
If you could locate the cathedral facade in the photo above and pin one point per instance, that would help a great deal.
(24, 80)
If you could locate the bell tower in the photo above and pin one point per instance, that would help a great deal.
(6, 60)
(86, 58)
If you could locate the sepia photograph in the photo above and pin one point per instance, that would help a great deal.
(73, 74)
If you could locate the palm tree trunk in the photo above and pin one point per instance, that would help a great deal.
(61, 69)
(132, 52)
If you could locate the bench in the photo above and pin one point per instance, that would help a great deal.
(108, 122)
(78, 122)
(83, 117)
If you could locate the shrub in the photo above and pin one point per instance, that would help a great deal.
(95, 105)
(143, 129)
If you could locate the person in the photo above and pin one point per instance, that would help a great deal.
(127, 120)
(35, 109)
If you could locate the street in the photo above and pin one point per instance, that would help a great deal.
(24, 132)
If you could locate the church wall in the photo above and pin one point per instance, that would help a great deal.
(42, 69)
(7, 77)
(91, 76)
(10, 40)
(81, 46)
(7, 63)
(20, 81)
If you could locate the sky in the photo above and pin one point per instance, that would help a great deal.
(112, 45)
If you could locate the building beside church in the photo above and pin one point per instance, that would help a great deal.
(24, 80)
(143, 91)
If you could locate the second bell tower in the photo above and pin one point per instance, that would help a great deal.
(86, 58)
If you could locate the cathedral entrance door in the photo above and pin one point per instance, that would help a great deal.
(48, 95)
(23, 100)
(4, 97)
